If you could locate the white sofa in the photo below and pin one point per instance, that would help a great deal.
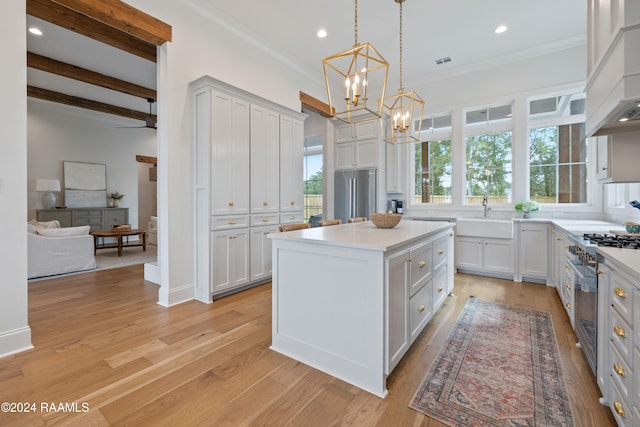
(152, 231)
(54, 250)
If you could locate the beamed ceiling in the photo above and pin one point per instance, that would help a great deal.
(119, 44)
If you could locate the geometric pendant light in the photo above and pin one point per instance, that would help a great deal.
(403, 111)
(356, 81)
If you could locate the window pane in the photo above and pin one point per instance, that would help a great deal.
(489, 168)
(558, 164)
(433, 172)
(312, 174)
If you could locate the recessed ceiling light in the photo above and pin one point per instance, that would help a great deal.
(624, 119)
(322, 33)
(501, 29)
(35, 31)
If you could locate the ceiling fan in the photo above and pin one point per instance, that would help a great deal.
(149, 122)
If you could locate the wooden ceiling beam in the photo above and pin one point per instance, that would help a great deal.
(315, 105)
(123, 17)
(61, 98)
(147, 159)
(63, 69)
(57, 14)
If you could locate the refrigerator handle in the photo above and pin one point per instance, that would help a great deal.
(354, 197)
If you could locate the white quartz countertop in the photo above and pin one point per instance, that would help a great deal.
(365, 235)
(629, 258)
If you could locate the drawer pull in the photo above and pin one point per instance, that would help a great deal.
(599, 272)
(568, 305)
(620, 292)
(558, 238)
(422, 264)
(265, 219)
(440, 252)
(264, 203)
(292, 217)
(421, 308)
(439, 290)
(568, 286)
(230, 203)
(619, 369)
(292, 203)
(618, 408)
(566, 266)
(233, 237)
(619, 331)
(232, 221)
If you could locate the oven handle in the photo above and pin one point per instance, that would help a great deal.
(582, 282)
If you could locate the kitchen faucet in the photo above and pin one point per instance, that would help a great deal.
(485, 204)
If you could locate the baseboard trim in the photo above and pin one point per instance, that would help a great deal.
(175, 295)
(16, 341)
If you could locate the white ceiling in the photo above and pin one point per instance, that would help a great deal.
(460, 29)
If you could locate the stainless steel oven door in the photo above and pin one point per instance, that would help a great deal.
(586, 309)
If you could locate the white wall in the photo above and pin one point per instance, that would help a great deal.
(58, 133)
(147, 195)
(15, 334)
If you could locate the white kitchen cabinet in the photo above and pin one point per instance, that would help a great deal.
(357, 131)
(265, 160)
(603, 376)
(261, 252)
(485, 255)
(398, 309)
(420, 266)
(557, 247)
(617, 156)
(291, 173)
(229, 259)
(420, 310)
(393, 174)
(357, 154)
(532, 251)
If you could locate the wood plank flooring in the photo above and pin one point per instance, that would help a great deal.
(102, 341)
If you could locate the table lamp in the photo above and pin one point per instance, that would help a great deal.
(48, 185)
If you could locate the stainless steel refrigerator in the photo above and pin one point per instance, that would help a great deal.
(355, 193)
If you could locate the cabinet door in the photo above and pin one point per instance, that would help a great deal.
(397, 309)
(229, 259)
(228, 122)
(420, 261)
(344, 133)
(366, 153)
(63, 216)
(469, 252)
(265, 160)
(261, 252)
(439, 286)
(420, 310)
(345, 155)
(603, 346)
(393, 178)
(602, 157)
(291, 160)
(115, 216)
(498, 255)
(366, 130)
(533, 261)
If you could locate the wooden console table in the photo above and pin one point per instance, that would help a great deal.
(122, 239)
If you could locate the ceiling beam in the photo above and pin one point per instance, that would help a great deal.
(315, 105)
(63, 69)
(147, 159)
(57, 14)
(123, 17)
(61, 98)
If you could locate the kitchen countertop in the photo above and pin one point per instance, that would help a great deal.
(365, 235)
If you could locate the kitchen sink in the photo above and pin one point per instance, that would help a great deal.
(485, 227)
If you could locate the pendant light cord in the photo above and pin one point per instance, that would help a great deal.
(401, 88)
(355, 24)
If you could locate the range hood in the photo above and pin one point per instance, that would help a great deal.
(613, 84)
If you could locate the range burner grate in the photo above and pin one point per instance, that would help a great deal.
(614, 241)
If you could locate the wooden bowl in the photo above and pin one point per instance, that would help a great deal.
(385, 220)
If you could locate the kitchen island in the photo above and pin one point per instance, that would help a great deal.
(350, 299)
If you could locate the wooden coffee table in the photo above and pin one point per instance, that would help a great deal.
(122, 239)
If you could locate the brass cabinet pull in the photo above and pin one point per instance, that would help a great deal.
(264, 203)
(619, 331)
(232, 237)
(292, 203)
(440, 252)
(439, 290)
(566, 266)
(620, 292)
(568, 305)
(265, 219)
(230, 203)
(619, 369)
(292, 217)
(421, 309)
(618, 407)
(232, 221)
(599, 272)
(568, 286)
(558, 238)
(422, 264)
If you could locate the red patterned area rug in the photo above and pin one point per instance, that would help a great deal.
(499, 367)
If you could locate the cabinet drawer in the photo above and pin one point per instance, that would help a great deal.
(420, 310)
(622, 374)
(621, 335)
(622, 296)
(87, 213)
(440, 254)
(114, 217)
(420, 266)
(621, 410)
(439, 285)
(258, 220)
(88, 221)
(291, 217)
(229, 221)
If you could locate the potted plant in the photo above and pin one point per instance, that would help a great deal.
(116, 198)
(527, 206)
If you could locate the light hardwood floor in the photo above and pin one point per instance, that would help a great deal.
(101, 340)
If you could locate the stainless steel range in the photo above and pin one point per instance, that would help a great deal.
(584, 262)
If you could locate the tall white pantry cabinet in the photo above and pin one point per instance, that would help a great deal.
(248, 154)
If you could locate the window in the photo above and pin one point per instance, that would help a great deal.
(558, 151)
(433, 161)
(312, 172)
(488, 155)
